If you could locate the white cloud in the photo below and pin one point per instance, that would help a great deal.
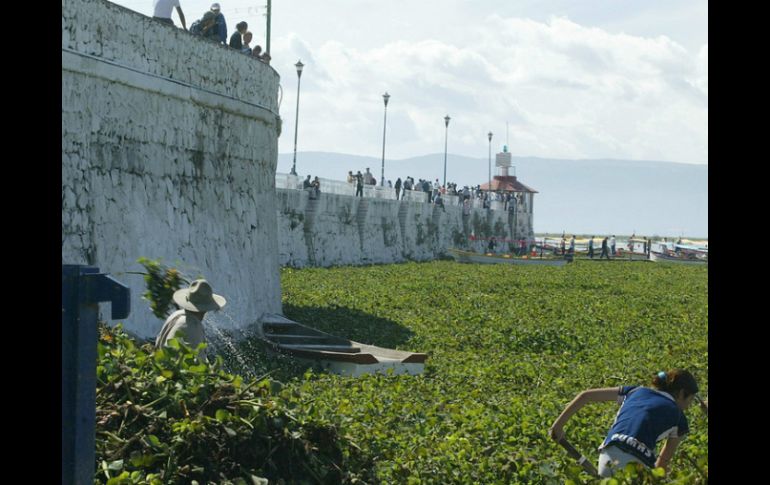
(568, 91)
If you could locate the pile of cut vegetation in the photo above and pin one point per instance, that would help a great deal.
(165, 418)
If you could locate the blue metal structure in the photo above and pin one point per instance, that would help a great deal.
(83, 287)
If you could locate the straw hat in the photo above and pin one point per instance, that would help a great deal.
(199, 297)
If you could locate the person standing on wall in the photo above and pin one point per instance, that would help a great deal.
(359, 184)
(187, 324)
(398, 187)
(437, 200)
(162, 11)
(221, 25)
(315, 188)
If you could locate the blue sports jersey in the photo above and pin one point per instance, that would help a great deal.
(646, 416)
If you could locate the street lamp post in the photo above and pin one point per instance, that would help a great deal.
(299, 67)
(385, 97)
(267, 37)
(490, 161)
(446, 135)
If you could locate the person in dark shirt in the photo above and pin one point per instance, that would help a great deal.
(206, 27)
(359, 184)
(647, 415)
(315, 187)
(235, 40)
(398, 187)
(492, 245)
(605, 249)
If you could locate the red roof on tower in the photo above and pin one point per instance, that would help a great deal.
(507, 184)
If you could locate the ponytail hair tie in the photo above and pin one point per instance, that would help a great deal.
(662, 376)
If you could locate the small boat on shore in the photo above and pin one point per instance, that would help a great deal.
(488, 258)
(336, 354)
(690, 259)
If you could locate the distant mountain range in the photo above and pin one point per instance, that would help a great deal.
(581, 196)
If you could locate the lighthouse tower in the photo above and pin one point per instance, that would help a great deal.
(503, 161)
(508, 193)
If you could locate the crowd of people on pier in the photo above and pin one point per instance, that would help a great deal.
(436, 192)
(212, 26)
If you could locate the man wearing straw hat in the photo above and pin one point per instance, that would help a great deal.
(195, 301)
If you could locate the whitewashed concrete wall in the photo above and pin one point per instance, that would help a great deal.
(342, 230)
(169, 149)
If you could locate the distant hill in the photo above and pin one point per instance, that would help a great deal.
(581, 196)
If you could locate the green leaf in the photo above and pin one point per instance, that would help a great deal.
(199, 369)
(154, 441)
(222, 414)
(115, 465)
(659, 472)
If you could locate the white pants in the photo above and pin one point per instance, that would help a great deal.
(613, 458)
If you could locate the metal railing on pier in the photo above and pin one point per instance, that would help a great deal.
(339, 187)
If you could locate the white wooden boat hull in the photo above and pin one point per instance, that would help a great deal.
(336, 354)
(662, 258)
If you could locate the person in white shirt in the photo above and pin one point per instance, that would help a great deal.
(187, 323)
(162, 11)
(612, 245)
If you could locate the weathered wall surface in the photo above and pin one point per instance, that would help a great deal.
(169, 148)
(343, 230)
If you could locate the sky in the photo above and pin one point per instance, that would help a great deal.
(619, 79)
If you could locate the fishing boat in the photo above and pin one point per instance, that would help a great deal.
(691, 259)
(490, 258)
(336, 354)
